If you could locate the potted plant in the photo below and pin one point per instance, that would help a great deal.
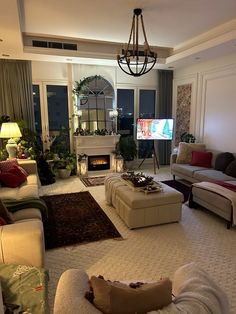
(127, 148)
(187, 137)
(65, 164)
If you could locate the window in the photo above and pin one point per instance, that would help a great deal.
(125, 106)
(37, 115)
(147, 101)
(58, 117)
(51, 114)
(95, 100)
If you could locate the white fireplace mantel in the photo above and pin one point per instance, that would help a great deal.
(97, 145)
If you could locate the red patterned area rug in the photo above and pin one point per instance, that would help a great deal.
(75, 218)
(93, 181)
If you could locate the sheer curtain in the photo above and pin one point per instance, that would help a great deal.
(16, 94)
(164, 110)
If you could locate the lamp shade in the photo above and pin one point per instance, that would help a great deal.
(9, 130)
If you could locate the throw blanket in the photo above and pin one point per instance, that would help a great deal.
(31, 202)
(221, 190)
(196, 293)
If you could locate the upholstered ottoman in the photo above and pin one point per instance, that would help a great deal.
(214, 202)
(138, 209)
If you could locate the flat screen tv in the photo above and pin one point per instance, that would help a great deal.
(155, 129)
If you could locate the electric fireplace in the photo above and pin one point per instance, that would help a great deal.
(98, 162)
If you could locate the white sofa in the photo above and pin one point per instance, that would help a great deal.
(30, 188)
(23, 241)
(194, 289)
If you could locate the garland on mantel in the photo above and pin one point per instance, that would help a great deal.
(80, 87)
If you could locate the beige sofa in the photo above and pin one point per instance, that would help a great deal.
(194, 289)
(23, 241)
(214, 202)
(198, 174)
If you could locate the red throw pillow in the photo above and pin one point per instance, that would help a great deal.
(13, 178)
(22, 170)
(201, 159)
(8, 164)
(2, 221)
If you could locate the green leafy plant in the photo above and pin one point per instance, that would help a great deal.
(81, 86)
(127, 148)
(187, 138)
(60, 143)
(65, 161)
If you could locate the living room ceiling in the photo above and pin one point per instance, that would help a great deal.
(182, 32)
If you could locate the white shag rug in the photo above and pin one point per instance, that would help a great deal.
(152, 252)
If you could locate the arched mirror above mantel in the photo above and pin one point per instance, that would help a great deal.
(95, 101)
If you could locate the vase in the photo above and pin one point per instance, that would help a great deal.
(64, 173)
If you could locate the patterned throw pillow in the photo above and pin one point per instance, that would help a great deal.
(184, 155)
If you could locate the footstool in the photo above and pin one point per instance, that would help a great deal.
(138, 209)
(212, 201)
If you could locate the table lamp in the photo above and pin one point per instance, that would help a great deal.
(10, 130)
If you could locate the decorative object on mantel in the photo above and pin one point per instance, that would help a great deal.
(113, 114)
(135, 60)
(86, 132)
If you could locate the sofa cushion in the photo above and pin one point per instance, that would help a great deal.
(202, 159)
(211, 175)
(223, 160)
(116, 297)
(32, 179)
(26, 214)
(184, 155)
(5, 214)
(186, 170)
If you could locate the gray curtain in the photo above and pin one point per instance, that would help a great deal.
(164, 110)
(16, 94)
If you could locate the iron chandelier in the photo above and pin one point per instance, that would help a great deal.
(135, 60)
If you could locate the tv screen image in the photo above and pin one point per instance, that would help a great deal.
(155, 129)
